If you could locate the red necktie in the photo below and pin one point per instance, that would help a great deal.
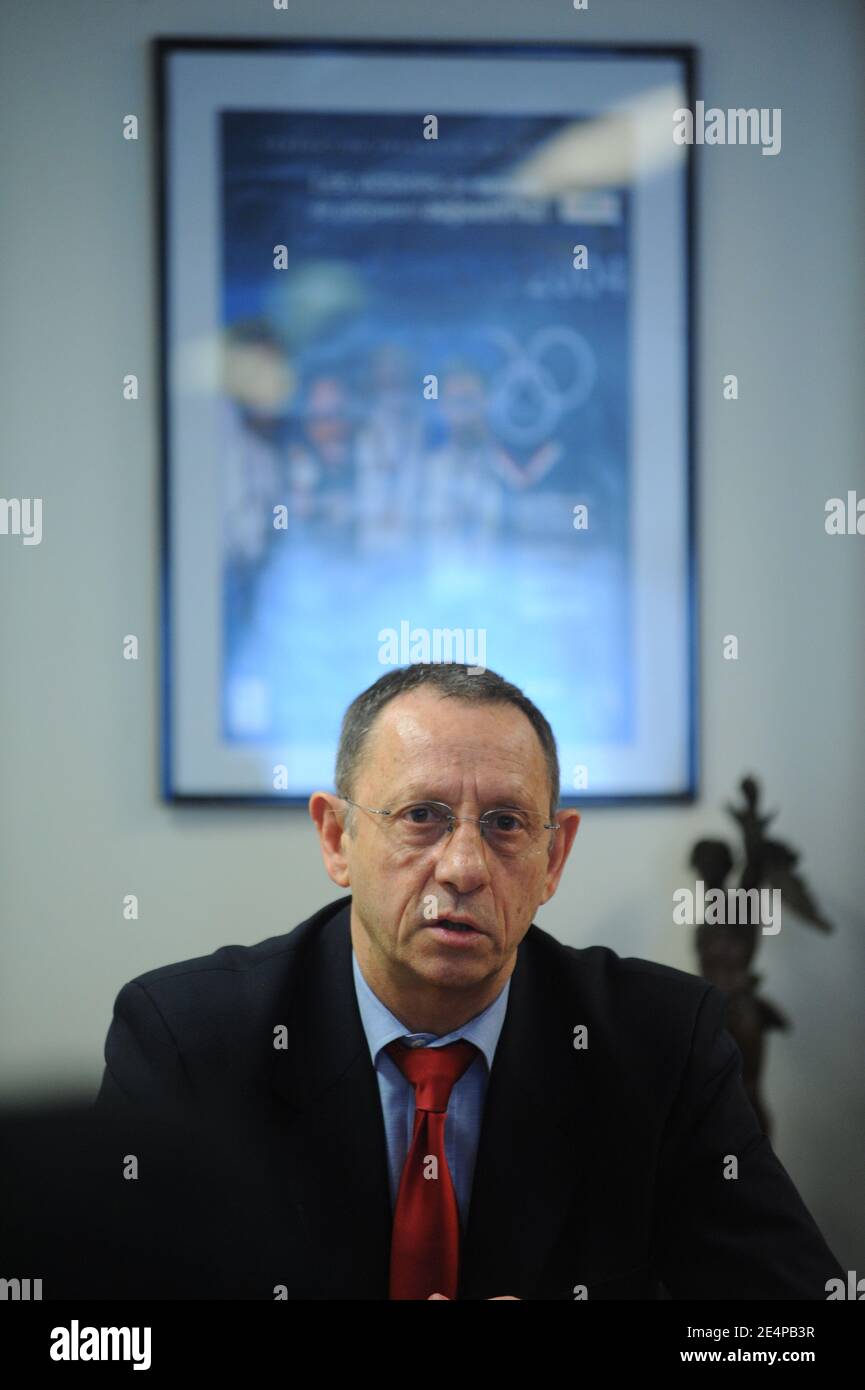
(424, 1255)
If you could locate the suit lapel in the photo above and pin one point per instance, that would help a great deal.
(528, 1166)
(336, 1145)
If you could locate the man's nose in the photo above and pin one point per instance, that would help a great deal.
(462, 858)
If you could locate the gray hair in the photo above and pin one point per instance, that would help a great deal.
(450, 680)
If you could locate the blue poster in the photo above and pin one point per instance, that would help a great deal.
(424, 452)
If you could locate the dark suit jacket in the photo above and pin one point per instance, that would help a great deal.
(601, 1167)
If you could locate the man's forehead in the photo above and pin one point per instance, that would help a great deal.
(417, 711)
(419, 724)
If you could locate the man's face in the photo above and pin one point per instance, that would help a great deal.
(473, 757)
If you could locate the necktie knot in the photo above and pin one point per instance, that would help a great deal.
(433, 1071)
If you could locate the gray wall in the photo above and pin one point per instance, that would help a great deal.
(781, 292)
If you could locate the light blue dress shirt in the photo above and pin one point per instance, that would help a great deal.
(466, 1105)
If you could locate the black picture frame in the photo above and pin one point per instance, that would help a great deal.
(181, 788)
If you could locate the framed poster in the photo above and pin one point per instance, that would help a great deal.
(426, 328)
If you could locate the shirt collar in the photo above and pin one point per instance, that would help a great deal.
(381, 1027)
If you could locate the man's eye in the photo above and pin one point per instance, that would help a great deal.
(507, 821)
(421, 815)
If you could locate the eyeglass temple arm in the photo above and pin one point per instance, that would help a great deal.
(371, 809)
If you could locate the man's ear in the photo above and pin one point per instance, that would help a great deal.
(568, 823)
(328, 813)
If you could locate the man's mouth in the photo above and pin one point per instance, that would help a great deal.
(455, 927)
(456, 933)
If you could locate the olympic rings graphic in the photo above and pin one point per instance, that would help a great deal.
(530, 397)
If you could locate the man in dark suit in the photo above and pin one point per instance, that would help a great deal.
(437, 1098)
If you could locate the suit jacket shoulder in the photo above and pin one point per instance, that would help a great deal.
(198, 1026)
(640, 1016)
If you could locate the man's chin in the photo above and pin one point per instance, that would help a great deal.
(438, 962)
